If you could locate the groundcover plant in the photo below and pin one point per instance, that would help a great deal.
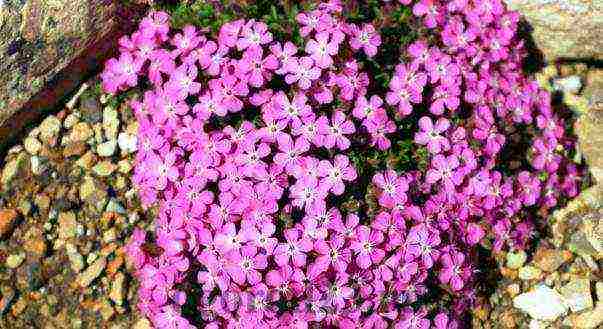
(302, 183)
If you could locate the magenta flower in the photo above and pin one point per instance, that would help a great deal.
(243, 265)
(393, 188)
(256, 67)
(303, 72)
(334, 134)
(330, 254)
(253, 35)
(336, 173)
(321, 50)
(422, 243)
(366, 247)
(365, 38)
(430, 134)
(294, 250)
(443, 169)
(545, 157)
(452, 272)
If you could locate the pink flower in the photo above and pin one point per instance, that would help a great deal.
(452, 271)
(334, 174)
(393, 188)
(321, 50)
(334, 134)
(121, 72)
(331, 253)
(366, 39)
(253, 35)
(430, 134)
(256, 67)
(243, 265)
(366, 247)
(367, 108)
(293, 250)
(303, 73)
(229, 88)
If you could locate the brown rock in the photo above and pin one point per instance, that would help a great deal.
(34, 242)
(549, 260)
(53, 41)
(77, 148)
(8, 217)
(564, 29)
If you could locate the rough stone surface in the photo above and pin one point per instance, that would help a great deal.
(92, 272)
(564, 28)
(543, 303)
(47, 47)
(7, 221)
(577, 295)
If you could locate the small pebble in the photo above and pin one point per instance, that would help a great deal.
(516, 259)
(15, 260)
(32, 145)
(92, 272)
(106, 149)
(104, 168)
(128, 143)
(529, 273)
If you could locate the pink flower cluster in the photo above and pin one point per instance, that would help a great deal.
(247, 171)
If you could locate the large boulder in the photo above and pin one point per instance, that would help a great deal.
(48, 47)
(564, 28)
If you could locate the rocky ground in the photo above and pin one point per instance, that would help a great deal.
(66, 207)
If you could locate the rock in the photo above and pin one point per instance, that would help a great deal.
(542, 303)
(104, 168)
(81, 132)
(91, 110)
(128, 143)
(87, 160)
(549, 260)
(67, 225)
(564, 28)
(34, 242)
(48, 47)
(49, 129)
(570, 84)
(8, 294)
(93, 193)
(8, 219)
(77, 148)
(577, 295)
(107, 148)
(115, 206)
(118, 288)
(588, 320)
(92, 272)
(589, 125)
(32, 145)
(15, 260)
(142, 324)
(529, 273)
(71, 120)
(106, 310)
(24, 207)
(109, 235)
(110, 122)
(124, 166)
(11, 169)
(37, 165)
(515, 260)
(76, 260)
